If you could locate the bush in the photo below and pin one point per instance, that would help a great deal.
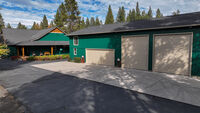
(14, 57)
(4, 51)
(31, 58)
(50, 57)
(77, 59)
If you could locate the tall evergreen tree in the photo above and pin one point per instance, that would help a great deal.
(34, 26)
(176, 12)
(41, 25)
(61, 17)
(8, 25)
(158, 13)
(37, 26)
(128, 18)
(121, 15)
(44, 22)
(21, 26)
(92, 21)
(109, 16)
(138, 15)
(82, 23)
(73, 14)
(1, 23)
(51, 24)
(150, 13)
(87, 22)
(97, 21)
(131, 16)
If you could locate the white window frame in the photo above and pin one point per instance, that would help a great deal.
(74, 41)
(75, 51)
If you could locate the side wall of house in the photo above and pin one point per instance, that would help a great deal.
(113, 41)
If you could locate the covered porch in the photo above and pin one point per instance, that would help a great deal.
(41, 48)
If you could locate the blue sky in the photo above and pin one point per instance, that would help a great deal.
(28, 11)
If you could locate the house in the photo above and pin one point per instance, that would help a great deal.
(168, 45)
(26, 42)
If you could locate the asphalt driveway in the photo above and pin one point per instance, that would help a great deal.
(174, 87)
(46, 91)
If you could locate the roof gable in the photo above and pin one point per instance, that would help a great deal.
(17, 36)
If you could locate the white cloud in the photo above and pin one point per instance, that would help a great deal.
(28, 15)
(14, 17)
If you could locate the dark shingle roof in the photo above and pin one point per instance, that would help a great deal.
(43, 43)
(14, 36)
(182, 20)
(19, 36)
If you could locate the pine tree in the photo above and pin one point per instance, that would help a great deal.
(97, 21)
(37, 26)
(21, 26)
(33, 26)
(61, 17)
(150, 13)
(51, 24)
(121, 15)
(44, 22)
(133, 15)
(73, 14)
(92, 21)
(1, 23)
(8, 25)
(138, 15)
(176, 12)
(128, 18)
(82, 23)
(87, 22)
(143, 16)
(41, 25)
(158, 13)
(109, 16)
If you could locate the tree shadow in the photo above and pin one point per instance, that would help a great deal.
(59, 93)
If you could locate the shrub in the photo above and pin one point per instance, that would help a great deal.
(50, 57)
(77, 59)
(31, 58)
(14, 57)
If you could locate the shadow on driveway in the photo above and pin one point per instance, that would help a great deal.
(59, 93)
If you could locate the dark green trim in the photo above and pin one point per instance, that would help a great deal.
(150, 52)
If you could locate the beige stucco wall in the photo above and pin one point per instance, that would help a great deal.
(135, 52)
(100, 56)
(172, 53)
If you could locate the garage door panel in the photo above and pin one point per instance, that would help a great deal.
(100, 56)
(135, 52)
(171, 53)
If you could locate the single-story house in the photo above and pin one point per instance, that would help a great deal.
(168, 45)
(26, 42)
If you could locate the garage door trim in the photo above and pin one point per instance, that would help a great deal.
(135, 36)
(190, 49)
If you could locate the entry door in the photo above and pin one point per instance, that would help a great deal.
(135, 52)
(100, 56)
(172, 53)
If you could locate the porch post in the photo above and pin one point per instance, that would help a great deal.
(51, 50)
(23, 54)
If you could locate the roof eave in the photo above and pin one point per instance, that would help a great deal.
(192, 25)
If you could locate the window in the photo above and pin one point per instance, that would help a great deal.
(75, 41)
(75, 51)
